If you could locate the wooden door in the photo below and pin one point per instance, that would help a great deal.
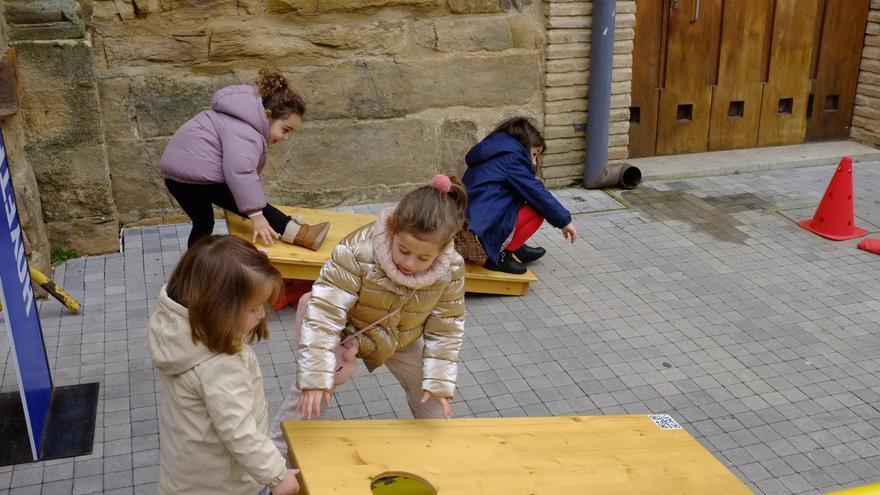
(742, 70)
(784, 105)
(690, 64)
(726, 74)
(646, 78)
(836, 68)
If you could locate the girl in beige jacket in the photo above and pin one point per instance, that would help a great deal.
(405, 265)
(214, 416)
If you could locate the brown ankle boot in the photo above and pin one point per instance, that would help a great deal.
(307, 236)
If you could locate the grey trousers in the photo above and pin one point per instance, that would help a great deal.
(405, 365)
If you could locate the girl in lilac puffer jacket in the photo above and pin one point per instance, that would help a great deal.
(217, 158)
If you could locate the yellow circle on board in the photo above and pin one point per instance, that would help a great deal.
(400, 485)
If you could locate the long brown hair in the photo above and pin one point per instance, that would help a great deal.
(522, 129)
(432, 214)
(214, 280)
(277, 95)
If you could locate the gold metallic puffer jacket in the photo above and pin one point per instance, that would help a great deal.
(359, 285)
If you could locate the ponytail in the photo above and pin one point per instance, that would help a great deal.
(277, 95)
(433, 212)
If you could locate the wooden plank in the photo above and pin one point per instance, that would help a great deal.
(817, 39)
(645, 78)
(736, 100)
(784, 102)
(837, 69)
(691, 61)
(482, 281)
(873, 489)
(303, 264)
(341, 224)
(503, 456)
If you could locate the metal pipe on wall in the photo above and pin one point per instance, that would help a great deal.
(596, 170)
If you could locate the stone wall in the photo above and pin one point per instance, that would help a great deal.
(27, 192)
(567, 53)
(27, 195)
(866, 115)
(396, 90)
(62, 125)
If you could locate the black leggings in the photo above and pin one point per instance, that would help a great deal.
(196, 201)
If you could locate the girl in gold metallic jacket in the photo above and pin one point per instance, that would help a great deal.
(403, 265)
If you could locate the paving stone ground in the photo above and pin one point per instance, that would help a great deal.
(698, 298)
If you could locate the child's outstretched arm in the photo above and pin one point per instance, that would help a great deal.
(227, 389)
(444, 334)
(333, 295)
(523, 180)
(241, 161)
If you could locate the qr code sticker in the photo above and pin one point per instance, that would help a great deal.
(665, 422)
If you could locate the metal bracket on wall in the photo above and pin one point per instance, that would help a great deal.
(580, 127)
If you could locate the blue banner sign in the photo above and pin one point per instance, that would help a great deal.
(20, 314)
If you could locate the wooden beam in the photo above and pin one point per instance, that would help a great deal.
(295, 262)
(499, 456)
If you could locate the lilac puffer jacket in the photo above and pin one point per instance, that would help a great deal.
(226, 144)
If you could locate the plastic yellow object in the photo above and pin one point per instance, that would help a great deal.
(55, 290)
(860, 490)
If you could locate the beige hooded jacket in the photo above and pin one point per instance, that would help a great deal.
(359, 285)
(214, 417)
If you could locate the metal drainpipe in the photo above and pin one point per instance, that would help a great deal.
(597, 173)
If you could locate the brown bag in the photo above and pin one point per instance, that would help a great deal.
(469, 247)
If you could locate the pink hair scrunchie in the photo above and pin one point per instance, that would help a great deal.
(442, 183)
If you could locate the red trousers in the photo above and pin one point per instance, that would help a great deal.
(527, 223)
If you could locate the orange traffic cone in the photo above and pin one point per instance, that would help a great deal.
(870, 245)
(835, 216)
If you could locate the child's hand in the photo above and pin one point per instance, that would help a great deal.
(447, 409)
(570, 233)
(310, 402)
(289, 485)
(262, 230)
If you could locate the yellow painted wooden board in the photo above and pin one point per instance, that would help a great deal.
(479, 280)
(299, 262)
(861, 490)
(304, 264)
(508, 456)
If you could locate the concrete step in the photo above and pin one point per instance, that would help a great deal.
(752, 159)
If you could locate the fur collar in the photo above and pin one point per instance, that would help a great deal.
(382, 239)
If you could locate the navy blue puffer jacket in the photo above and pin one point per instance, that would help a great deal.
(499, 181)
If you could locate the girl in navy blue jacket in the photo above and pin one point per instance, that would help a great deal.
(507, 203)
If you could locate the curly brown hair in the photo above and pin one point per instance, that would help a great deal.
(277, 95)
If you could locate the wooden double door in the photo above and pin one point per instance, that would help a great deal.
(726, 74)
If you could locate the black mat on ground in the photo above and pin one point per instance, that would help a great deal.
(70, 427)
(14, 445)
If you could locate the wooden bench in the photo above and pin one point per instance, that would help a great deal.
(499, 456)
(299, 263)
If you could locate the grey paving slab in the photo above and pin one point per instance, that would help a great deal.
(699, 298)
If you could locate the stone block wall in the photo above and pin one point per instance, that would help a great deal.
(866, 115)
(27, 191)
(567, 53)
(396, 90)
(61, 123)
(27, 195)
